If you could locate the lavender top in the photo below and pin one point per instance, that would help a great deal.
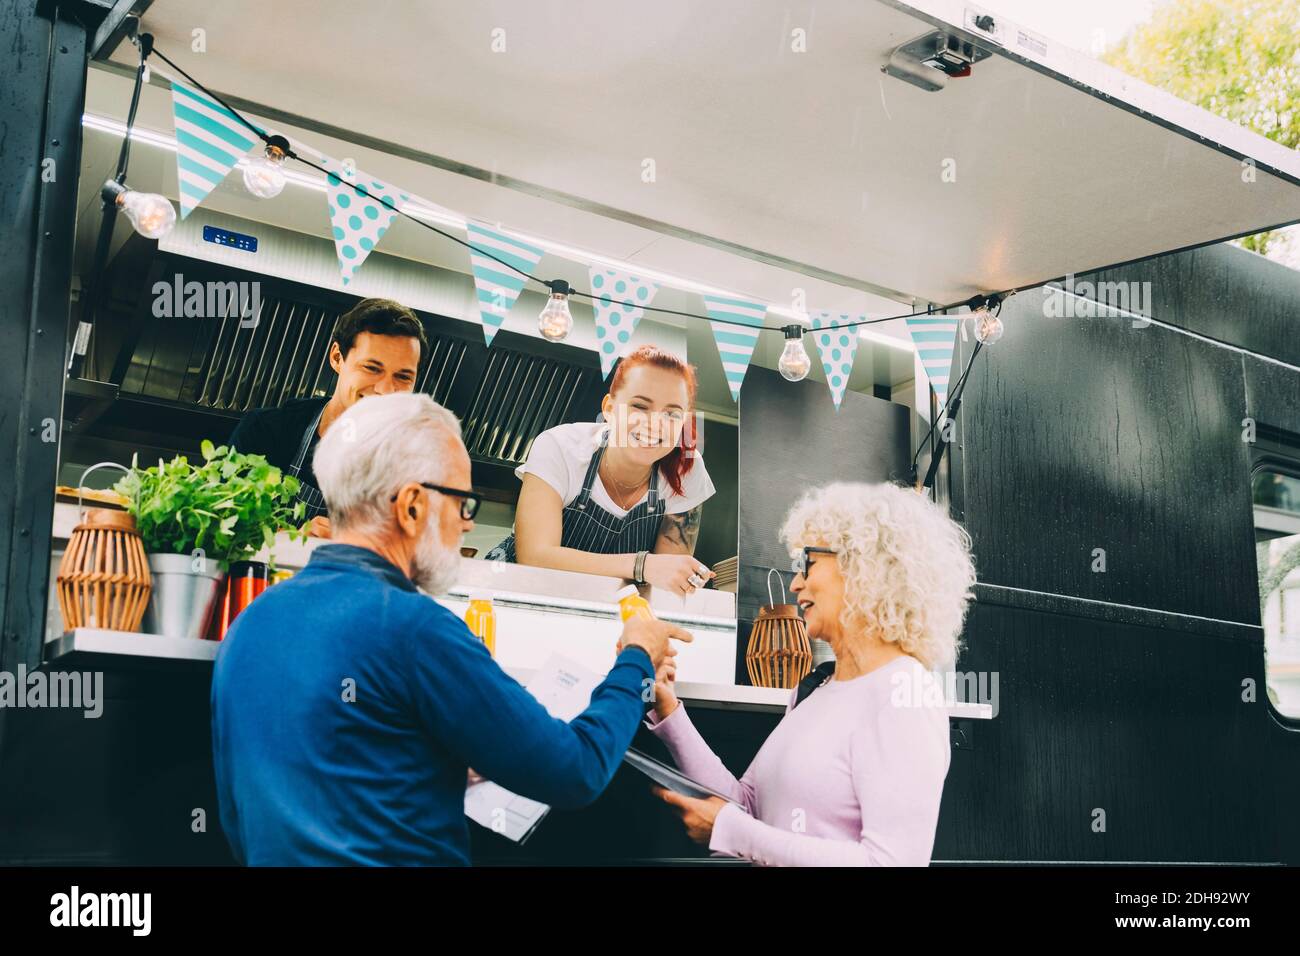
(853, 777)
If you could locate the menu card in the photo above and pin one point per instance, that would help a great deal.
(564, 689)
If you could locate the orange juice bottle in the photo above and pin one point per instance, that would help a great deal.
(481, 619)
(632, 604)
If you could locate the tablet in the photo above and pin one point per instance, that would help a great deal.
(670, 777)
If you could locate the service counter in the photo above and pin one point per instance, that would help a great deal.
(159, 683)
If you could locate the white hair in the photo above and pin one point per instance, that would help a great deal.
(908, 574)
(379, 444)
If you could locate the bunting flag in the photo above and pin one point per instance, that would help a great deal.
(934, 337)
(735, 330)
(838, 347)
(616, 322)
(210, 141)
(357, 214)
(498, 286)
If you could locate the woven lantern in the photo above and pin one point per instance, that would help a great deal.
(104, 578)
(779, 653)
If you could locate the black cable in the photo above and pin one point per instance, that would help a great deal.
(261, 134)
(953, 394)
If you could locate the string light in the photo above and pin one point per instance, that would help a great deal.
(150, 214)
(264, 176)
(794, 363)
(556, 321)
(986, 310)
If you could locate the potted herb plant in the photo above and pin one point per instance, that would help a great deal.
(196, 519)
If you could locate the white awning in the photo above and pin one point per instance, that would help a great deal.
(1040, 163)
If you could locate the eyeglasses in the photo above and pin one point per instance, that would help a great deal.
(800, 564)
(469, 501)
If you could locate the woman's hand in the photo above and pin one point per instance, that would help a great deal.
(698, 815)
(665, 701)
(319, 527)
(674, 572)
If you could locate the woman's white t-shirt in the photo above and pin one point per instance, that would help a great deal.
(560, 457)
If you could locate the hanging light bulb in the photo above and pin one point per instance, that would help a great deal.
(989, 328)
(985, 309)
(151, 215)
(794, 363)
(556, 321)
(264, 176)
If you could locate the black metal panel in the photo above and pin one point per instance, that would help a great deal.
(121, 788)
(1223, 292)
(792, 439)
(1145, 724)
(41, 102)
(1087, 433)
(1273, 396)
(719, 538)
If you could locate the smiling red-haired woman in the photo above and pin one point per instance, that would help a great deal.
(621, 496)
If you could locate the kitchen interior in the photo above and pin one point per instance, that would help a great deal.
(155, 385)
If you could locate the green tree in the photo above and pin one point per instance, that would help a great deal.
(1237, 58)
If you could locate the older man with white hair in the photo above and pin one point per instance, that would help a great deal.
(347, 706)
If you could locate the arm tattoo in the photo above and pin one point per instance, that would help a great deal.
(683, 529)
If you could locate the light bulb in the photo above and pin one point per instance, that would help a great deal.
(151, 215)
(264, 176)
(794, 363)
(988, 327)
(555, 321)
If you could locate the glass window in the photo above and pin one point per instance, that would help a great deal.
(1277, 549)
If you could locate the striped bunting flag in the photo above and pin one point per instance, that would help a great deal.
(838, 347)
(735, 330)
(210, 140)
(934, 337)
(358, 217)
(615, 323)
(498, 287)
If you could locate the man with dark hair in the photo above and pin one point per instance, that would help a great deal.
(375, 350)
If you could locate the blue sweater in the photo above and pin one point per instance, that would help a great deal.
(347, 706)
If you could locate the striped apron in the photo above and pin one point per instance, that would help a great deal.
(586, 526)
(309, 495)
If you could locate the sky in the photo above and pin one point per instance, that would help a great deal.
(1076, 22)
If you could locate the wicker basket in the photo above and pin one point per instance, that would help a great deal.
(104, 578)
(778, 654)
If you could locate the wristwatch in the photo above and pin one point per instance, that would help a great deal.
(638, 569)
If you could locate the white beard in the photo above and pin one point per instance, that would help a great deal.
(435, 567)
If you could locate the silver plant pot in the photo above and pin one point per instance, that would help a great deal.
(183, 598)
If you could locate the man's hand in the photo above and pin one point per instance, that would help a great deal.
(698, 815)
(319, 527)
(651, 635)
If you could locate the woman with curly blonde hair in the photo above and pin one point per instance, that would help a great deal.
(854, 775)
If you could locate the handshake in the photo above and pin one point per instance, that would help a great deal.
(652, 636)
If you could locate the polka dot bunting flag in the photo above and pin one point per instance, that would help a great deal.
(615, 321)
(358, 217)
(837, 346)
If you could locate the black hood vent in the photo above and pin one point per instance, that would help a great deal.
(220, 367)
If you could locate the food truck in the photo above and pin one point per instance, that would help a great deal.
(1125, 448)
